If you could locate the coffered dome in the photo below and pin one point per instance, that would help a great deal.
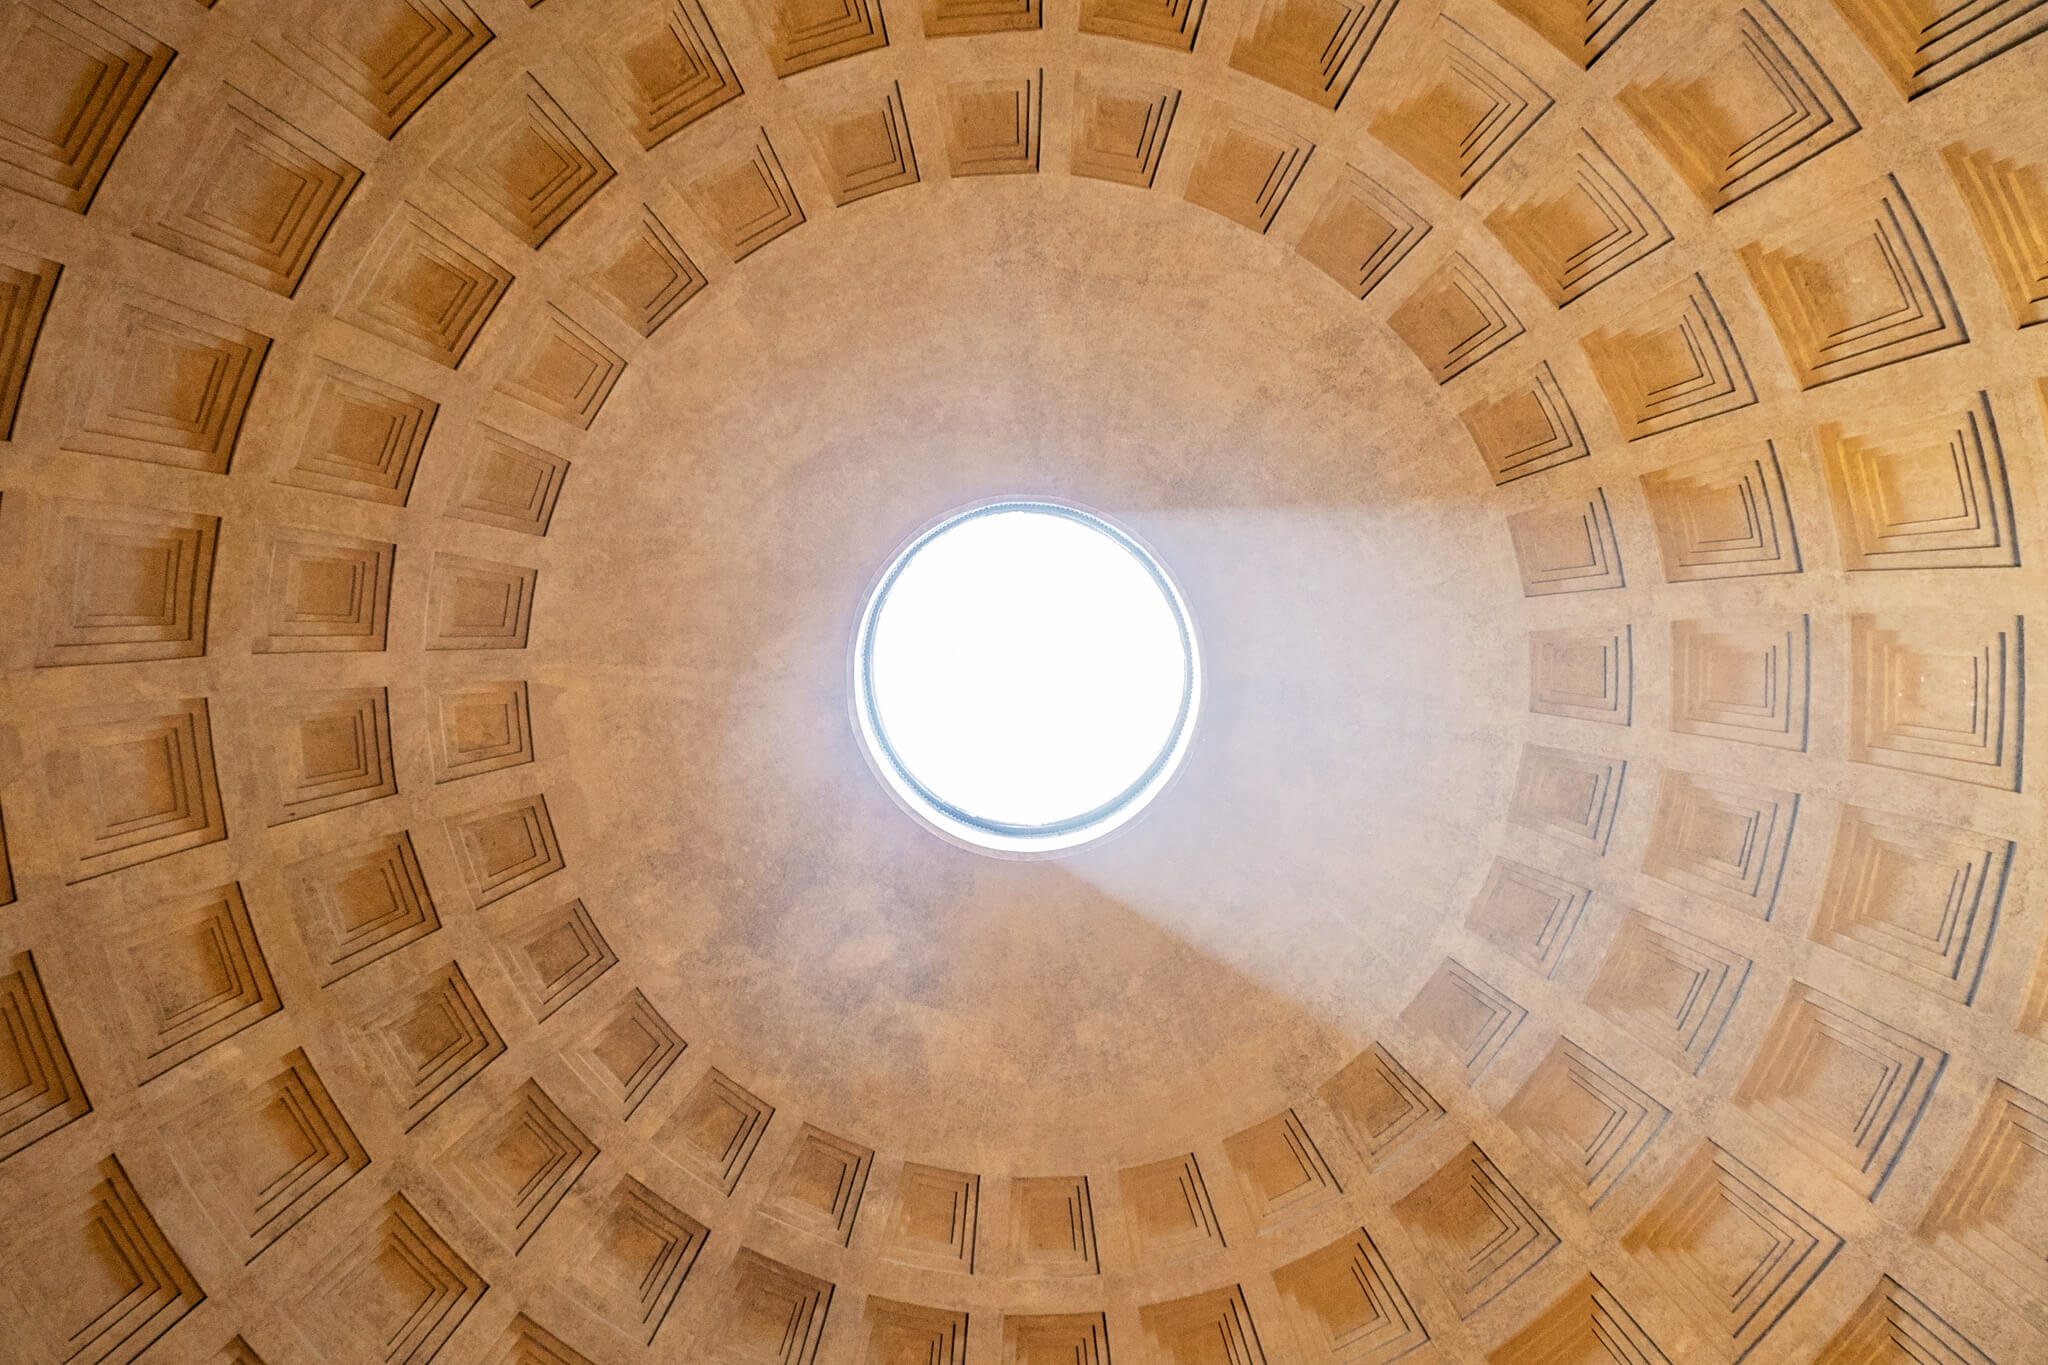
(447, 911)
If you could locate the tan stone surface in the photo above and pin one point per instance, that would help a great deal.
(444, 910)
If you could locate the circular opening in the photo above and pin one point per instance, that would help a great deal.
(1025, 676)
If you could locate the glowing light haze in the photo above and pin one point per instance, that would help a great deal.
(1028, 667)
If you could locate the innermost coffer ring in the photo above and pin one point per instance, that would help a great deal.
(1026, 676)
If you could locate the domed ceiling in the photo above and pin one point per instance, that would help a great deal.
(446, 913)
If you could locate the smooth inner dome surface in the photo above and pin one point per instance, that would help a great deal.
(1026, 667)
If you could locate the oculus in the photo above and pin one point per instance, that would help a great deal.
(1025, 677)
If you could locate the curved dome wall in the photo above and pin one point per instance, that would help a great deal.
(444, 912)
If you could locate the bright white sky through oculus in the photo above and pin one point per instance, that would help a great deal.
(1027, 667)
